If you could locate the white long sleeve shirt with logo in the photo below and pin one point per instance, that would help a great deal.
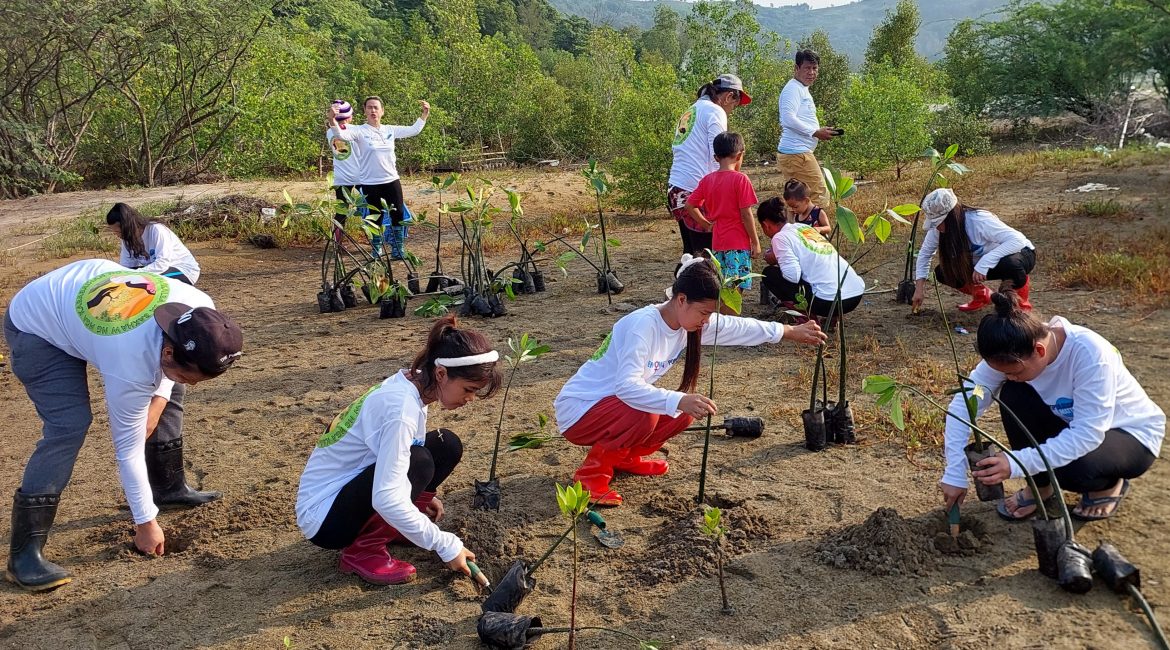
(375, 149)
(639, 350)
(103, 314)
(1086, 385)
(991, 241)
(378, 429)
(164, 250)
(803, 253)
(694, 144)
(347, 162)
(798, 119)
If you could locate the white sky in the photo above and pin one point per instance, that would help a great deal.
(815, 4)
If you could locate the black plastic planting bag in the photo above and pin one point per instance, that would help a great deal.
(614, 284)
(508, 631)
(744, 427)
(1075, 567)
(487, 495)
(348, 298)
(905, 293)
(513, 588)
(1048, 535)
(814, 429)
(975, 453)
(839, 424)
(1114, 569)
(524, 282)
(538, 281)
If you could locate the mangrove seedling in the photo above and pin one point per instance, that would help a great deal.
(713, 527)
(438, 279)
(528, 277)
(607, 280)
(515, 632)
(524, 350)
(938, 163)
(475, 220)
(1125, 579)
(392, 303)
(532, 439)
(573, 501)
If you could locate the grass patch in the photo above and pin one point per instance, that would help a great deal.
(81, 235)
(1140, 268)
(1101, 208)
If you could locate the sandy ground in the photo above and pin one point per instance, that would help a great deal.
(238, 573)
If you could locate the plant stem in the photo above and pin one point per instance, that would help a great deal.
(573, 601)
(955, 358)
(1141, 600)
(719, 566)
(711, 396)
(604, 251)
(500, 423)
(536, 565)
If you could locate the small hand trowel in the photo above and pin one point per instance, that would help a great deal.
(479, 577)
(608, 538)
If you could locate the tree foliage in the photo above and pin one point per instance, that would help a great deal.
(885, 117)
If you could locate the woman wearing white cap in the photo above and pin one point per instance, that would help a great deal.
(347, 165)
(694, 152)
(973, 246)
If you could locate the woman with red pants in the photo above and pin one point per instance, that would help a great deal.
(612, 405)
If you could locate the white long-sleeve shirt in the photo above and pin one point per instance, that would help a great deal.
(347, 165)
(103, 314)
(164, 250)
(694, 144)
(378, 429)
(639, 350)
(798, 119)
(1086, 385)
(375, 149)
(803, 253)
(991, 241)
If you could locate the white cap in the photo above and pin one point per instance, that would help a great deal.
(937, 205)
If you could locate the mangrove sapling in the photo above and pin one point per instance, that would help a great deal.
(713, 527)
(528, 277)
(573, 501)
(475, 220)
(524, 350)
(438, 279)
(516, 632)
(607, 280)
(938, 162)
(392, 303)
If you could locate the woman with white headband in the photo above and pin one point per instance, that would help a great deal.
(973, 246)
(611, 404)
(372, 477)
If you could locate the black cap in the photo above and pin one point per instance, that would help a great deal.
(203, 336)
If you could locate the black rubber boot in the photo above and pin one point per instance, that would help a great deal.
(164, 466)
(32, 517)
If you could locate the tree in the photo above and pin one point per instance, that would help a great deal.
(645, 113)
(892, 42)
(664, 39)
(887, 115)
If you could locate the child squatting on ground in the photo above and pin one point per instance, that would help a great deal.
(371, 479)
(611, 404)
(727, 198)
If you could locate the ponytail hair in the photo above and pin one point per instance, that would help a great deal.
(1010, 334)
(698, 281)
(794, 188)
(447, 339)
(131, 223)
(707, 90)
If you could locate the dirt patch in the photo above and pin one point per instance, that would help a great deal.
(886, 544)
(208, 530)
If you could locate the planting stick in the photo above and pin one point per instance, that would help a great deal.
(1136, 594)
(500, 424)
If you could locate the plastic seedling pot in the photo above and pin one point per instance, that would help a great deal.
(324, 304)
(336, 302)
(976, 452)
(347, 295)
(513, 588)
(525, 284)
(742, 427)
(538, 281)
(412, 282)
(390, 307)
(905, 293)
(615, 285)
(839, 424)
(508, 631)
(1115, 570)
(1074, 568)
(487, 495)
(496, 304)
(815, 433)
(1048, 535)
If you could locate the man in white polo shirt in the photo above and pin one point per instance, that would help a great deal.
(800, 130)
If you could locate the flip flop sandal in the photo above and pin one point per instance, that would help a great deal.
(1022, 501)
(1091, 502)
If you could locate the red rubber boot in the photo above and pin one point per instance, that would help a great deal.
(1023, 292)
(980, 297)
(368, 558)
(636, 463)
(595, 473)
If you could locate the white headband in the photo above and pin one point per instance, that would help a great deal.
(490, 356)
(686, 260)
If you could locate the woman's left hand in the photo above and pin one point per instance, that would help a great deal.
(978, 277)
(993, 470)
(435, 510)
(809, 333)
(426, 108)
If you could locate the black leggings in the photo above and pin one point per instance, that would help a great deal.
(785, 291)
(694, 242)
(391, 193)
(1119, 456)
(430, 465)
(1014, 267)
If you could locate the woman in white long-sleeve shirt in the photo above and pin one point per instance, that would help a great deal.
(374, 145)
(973, 246)
(373, 475)
(150, 246)
(612, 405)
(1070, 388)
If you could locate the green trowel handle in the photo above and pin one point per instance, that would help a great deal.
(595, 519)
(477, 575)
(953, 514)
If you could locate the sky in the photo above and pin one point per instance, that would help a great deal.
(815, 4)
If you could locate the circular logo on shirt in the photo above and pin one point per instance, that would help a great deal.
(341, 149)
(119, 301)
(813, 240)
(686, 123)
(1064, 407)
(344, 420)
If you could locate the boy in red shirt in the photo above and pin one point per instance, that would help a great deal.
(727, 197)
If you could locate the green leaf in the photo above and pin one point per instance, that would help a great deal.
(906, 210)
(845, 187)
(830, 182)
(541, 420)
(896, 414)
(436, 181)
(613, 241)
(732, 298)
(882, 229)
(847, 221)
(958, 168)
(874, 384)
(951, 151)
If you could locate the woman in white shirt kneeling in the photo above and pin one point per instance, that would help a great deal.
(150, 246)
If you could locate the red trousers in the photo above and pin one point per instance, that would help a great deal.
(612, 424)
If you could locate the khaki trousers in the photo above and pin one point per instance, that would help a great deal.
(804, 167)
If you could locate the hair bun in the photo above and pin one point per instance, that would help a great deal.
(1006, 302)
